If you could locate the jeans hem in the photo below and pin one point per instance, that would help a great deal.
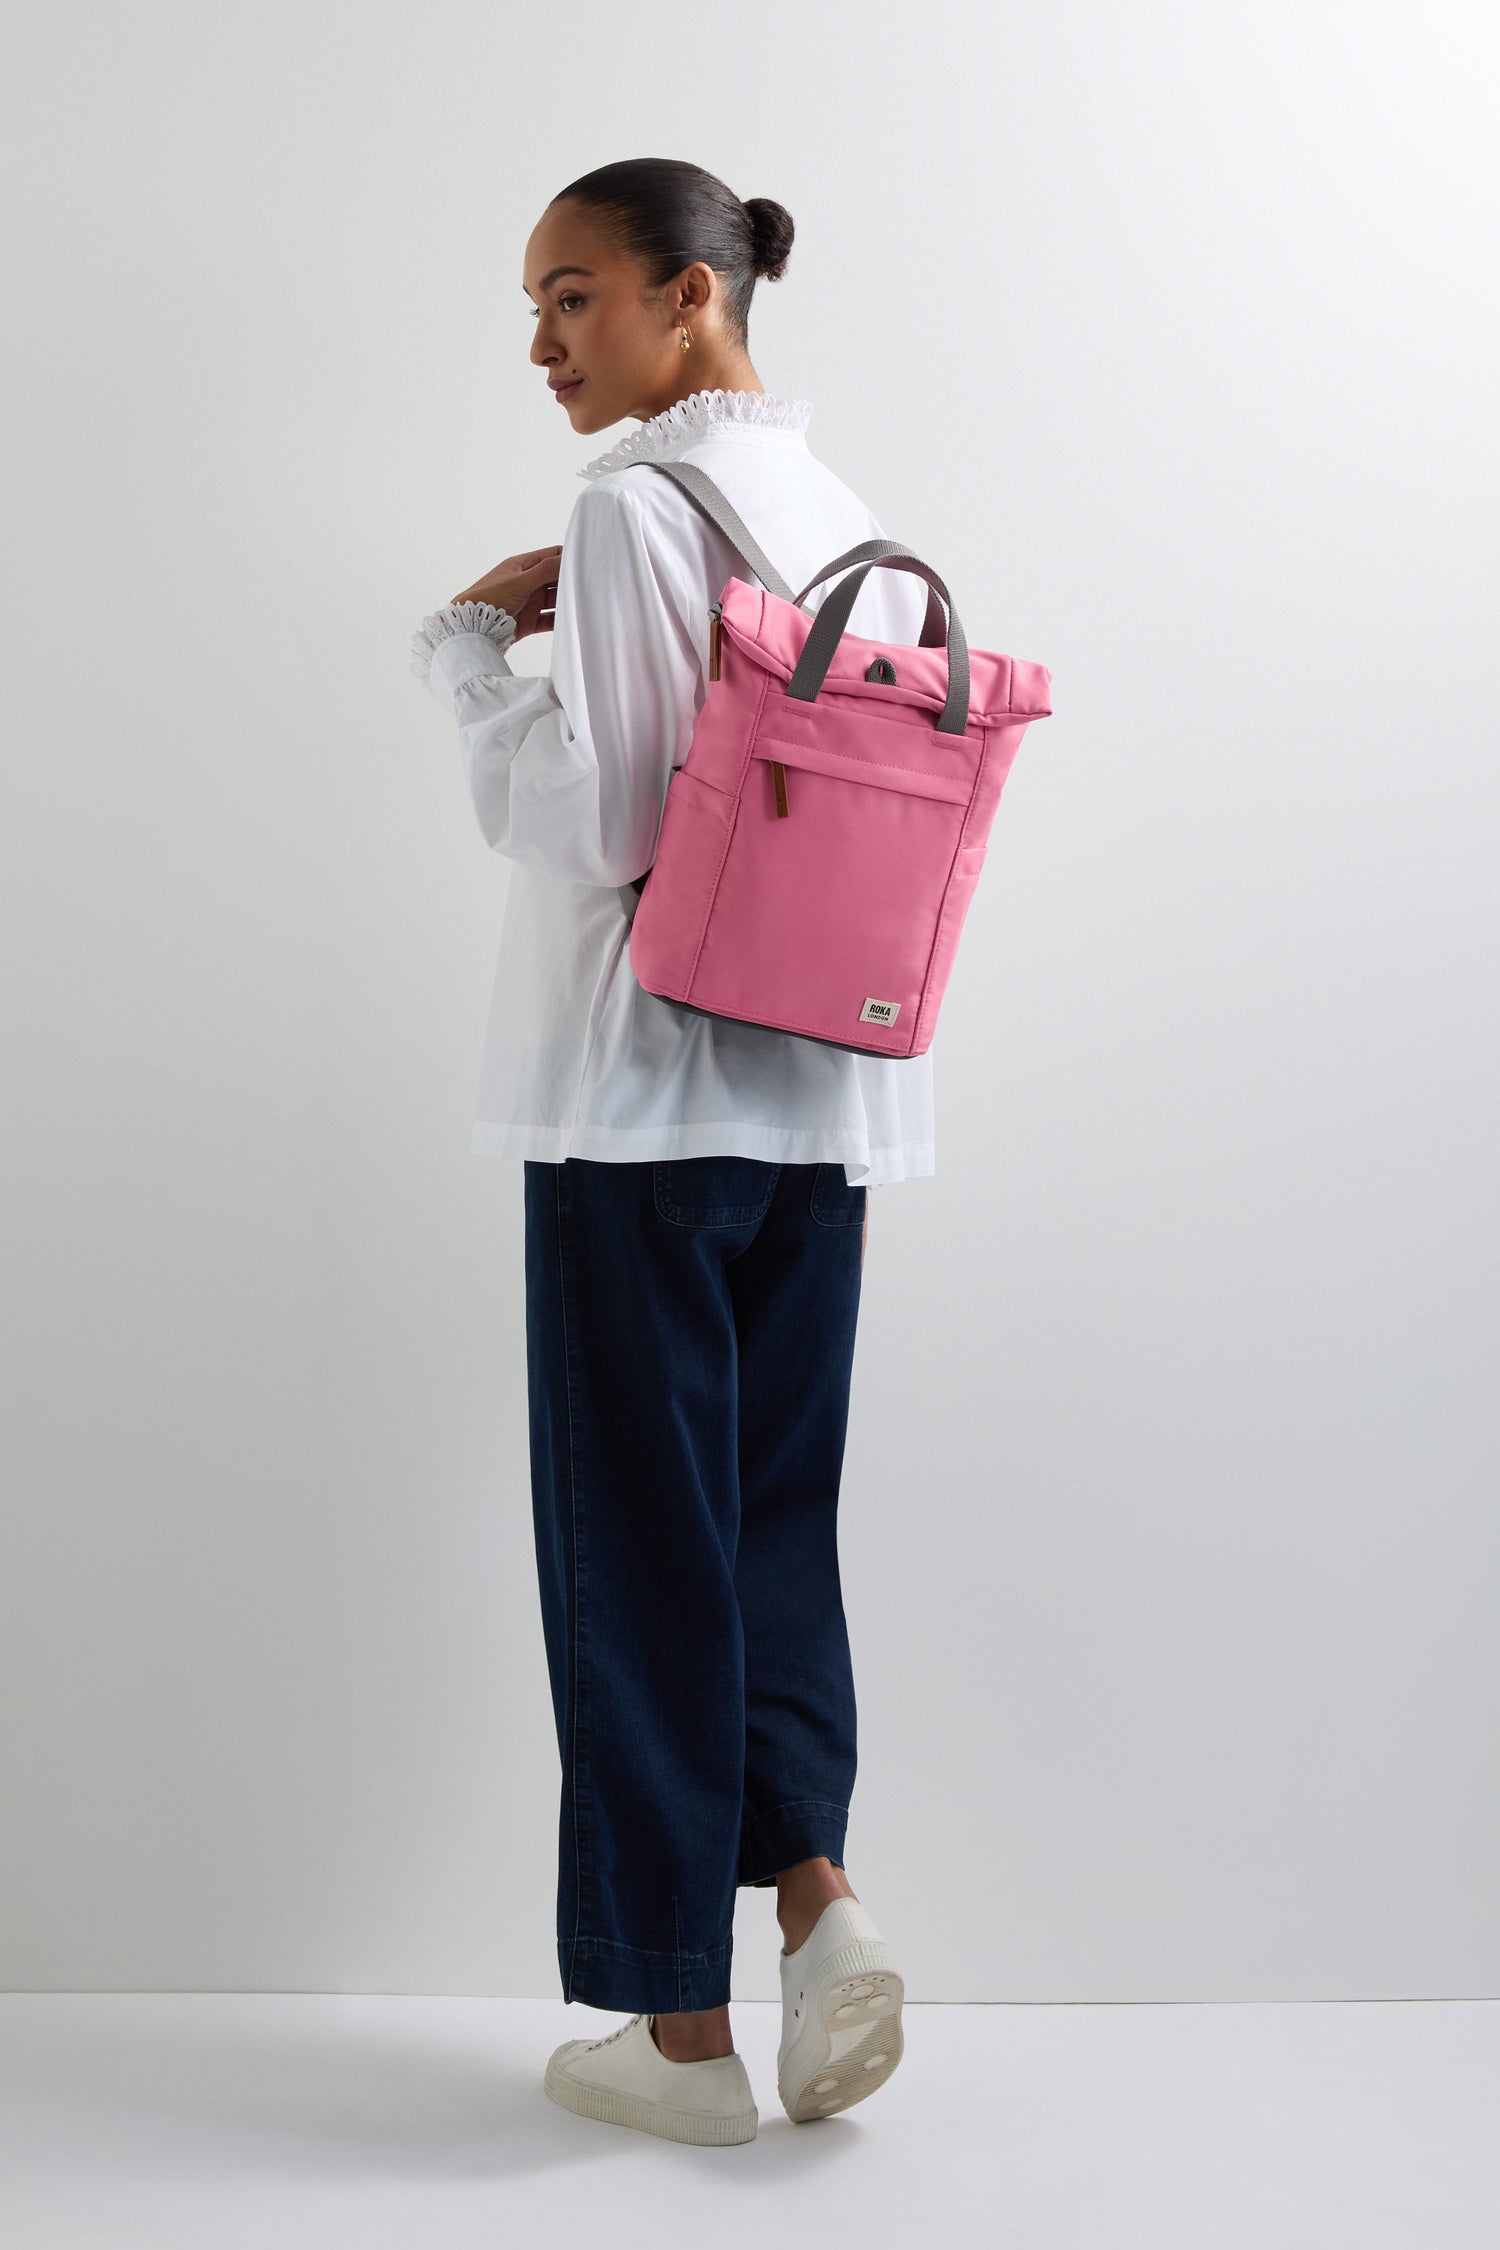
(770, 1841)
(603, 1974)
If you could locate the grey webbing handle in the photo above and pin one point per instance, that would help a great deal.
(833, 615)
(699, 486)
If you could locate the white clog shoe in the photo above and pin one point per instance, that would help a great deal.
(841, 1995)
(625, 2079)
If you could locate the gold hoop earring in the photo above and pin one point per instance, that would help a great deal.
(686, 339)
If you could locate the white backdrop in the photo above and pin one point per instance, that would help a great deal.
(1169, 1524)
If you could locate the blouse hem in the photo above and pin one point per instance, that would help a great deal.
(554, 1144)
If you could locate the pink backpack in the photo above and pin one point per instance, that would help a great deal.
(821, 841)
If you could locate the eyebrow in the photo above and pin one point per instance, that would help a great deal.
(556, 275)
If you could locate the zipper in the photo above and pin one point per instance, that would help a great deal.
(778, 772)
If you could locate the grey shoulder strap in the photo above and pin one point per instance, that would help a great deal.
(699, 486)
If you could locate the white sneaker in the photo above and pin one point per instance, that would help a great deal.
(625, 2079)
(841, 1995)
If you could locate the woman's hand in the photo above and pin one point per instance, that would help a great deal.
(526, 585)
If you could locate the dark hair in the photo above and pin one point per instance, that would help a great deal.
(670, 214)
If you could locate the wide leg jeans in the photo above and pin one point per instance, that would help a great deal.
(690, 1332)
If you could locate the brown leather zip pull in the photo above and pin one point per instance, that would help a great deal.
(713, 644)
(778, 775)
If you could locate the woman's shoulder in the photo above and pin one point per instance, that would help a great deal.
(759, 483)
(611, 512)
(636, 508)
(633, 530)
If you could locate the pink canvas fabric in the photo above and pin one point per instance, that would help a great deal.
(828, 903)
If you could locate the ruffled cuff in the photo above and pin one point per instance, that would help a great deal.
(476, 618)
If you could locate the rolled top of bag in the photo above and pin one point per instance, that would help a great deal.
(773, 634)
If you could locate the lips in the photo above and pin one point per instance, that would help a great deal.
(564, 390)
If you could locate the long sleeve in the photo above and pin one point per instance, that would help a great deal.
(569, 773)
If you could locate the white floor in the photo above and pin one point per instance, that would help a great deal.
(208, 2122)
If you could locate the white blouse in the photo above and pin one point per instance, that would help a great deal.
(568, 776)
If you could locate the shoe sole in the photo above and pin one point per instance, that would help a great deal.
(702, 2129)
(858, 1989)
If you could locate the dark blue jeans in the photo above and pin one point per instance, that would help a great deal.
(690, 1339)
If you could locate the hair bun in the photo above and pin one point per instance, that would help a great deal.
(773, 235)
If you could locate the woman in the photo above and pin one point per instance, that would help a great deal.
(695, 1198)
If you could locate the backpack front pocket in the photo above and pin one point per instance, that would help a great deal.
(835, 900)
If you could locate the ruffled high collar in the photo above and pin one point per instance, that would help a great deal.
(700, 414)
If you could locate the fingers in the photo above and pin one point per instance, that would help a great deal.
(517, 580)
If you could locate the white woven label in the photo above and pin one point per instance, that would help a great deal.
(880, 1011)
